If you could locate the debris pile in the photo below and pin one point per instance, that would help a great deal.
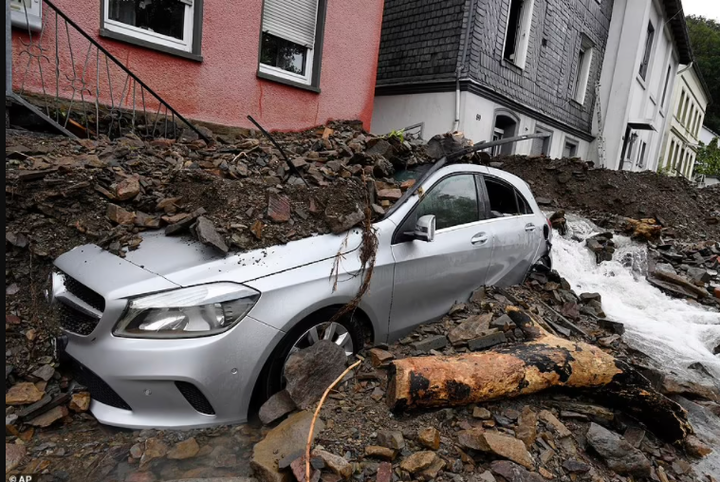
(686, 270)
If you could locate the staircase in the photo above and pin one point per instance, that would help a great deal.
(59, 79)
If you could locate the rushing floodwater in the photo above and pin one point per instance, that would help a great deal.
(673, 333)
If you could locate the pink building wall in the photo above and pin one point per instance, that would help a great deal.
(224, 88)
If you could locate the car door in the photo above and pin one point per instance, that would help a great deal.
(514, 230)
(431, 276)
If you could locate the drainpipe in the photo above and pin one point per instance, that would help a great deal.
(689, 66)
(456, 124)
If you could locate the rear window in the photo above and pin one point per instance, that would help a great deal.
(504, 199)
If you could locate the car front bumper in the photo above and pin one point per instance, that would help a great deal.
(184, 383)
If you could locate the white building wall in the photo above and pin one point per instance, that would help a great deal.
(706, 135)
(477, 119)
(625, 96)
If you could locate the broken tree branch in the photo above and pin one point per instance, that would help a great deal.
(308, 447)
(545, 361)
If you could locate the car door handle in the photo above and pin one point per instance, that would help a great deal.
(480, 238)
(529, 227)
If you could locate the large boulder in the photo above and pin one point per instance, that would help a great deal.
(288, 438)
(618, 454)
(310, 371)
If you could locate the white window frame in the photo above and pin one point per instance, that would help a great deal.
(185, 45)
(575, 146)
(284, 74)
(522, 39)
(33, 20)
(584, 75)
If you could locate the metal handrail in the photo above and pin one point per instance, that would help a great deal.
(35, 50)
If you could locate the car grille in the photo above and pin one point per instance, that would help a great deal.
(195, 397)
(84, 293)
(76, 321)
(99, 390)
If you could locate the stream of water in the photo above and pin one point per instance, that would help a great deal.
(674, 333)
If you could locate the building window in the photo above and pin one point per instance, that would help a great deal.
(168, 25)
(289, 35)
(685, 110)
(26, 14)
(665, 87)
(680, 105)
(570, 149)
(541, 145)
(648, 50)
(506, 125)
(582, 71)
(668, 159)
(641, 156)
(517, 32)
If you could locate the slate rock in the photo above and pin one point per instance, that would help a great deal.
(391, 439)
(207, 234)
(310, 371)
(379, 452)
(80, 402)
(436, 342)
(429, 438)
(513, 472)
(470, 328)
(276, 407)
(50, 417)
(14, 455)
(335, 463)
(487, 341)
(380, 357)
(44, 373)
(23, 394)
(288, 438)
(418, 462)
(186, 449)
(619, 455)
(527, 427)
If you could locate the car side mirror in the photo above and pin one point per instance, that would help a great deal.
(425, 228)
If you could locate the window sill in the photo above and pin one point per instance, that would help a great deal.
(149, 45)
(512, 66)
(280, 80)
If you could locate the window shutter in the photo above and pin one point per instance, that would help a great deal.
(292, 20)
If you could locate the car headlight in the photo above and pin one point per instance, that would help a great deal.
(187, 312)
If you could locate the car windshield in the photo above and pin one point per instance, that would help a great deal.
(415, 172)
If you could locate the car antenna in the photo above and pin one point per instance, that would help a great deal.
(287, 160)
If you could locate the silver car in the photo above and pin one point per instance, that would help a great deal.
(174, 336)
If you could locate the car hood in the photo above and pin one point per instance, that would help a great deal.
(185, 261)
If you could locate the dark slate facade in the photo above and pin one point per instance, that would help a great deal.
(420, 39)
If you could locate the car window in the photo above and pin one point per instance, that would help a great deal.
(504, 199)
(453, 201)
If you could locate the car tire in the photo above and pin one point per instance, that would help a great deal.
(271, 380)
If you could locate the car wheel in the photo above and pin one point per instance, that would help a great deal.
(346, 332)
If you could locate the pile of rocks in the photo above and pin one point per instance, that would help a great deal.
(602, 245)
(686, 270)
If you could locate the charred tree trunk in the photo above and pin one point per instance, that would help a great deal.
(545, 361)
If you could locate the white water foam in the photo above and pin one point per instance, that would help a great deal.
(672, 332)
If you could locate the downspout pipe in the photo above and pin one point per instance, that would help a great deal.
(456, 124)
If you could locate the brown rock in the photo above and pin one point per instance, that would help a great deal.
(136, 451)
(527, 427)
(257, 229)
(337, 464)
(380, 452)
(288, 438)
(276, 407)
(169, 205)
(430, 438)
(119, 215)
(509, 448)
(128, 188)
(141, 477)
(389, 194)
(546, 473)
(14, 455)
(154, 449)
(186, 449)
(385, 472)
(50, 417)
(380, 357)
(554, 424)
(80, 402)
(278, 208)
(482, 413)
(299, 470)
(696, 448)
(432, 472)
(23, 394)
(418, 462)
(44, 373)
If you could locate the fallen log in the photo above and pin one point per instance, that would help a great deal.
(546, 361)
